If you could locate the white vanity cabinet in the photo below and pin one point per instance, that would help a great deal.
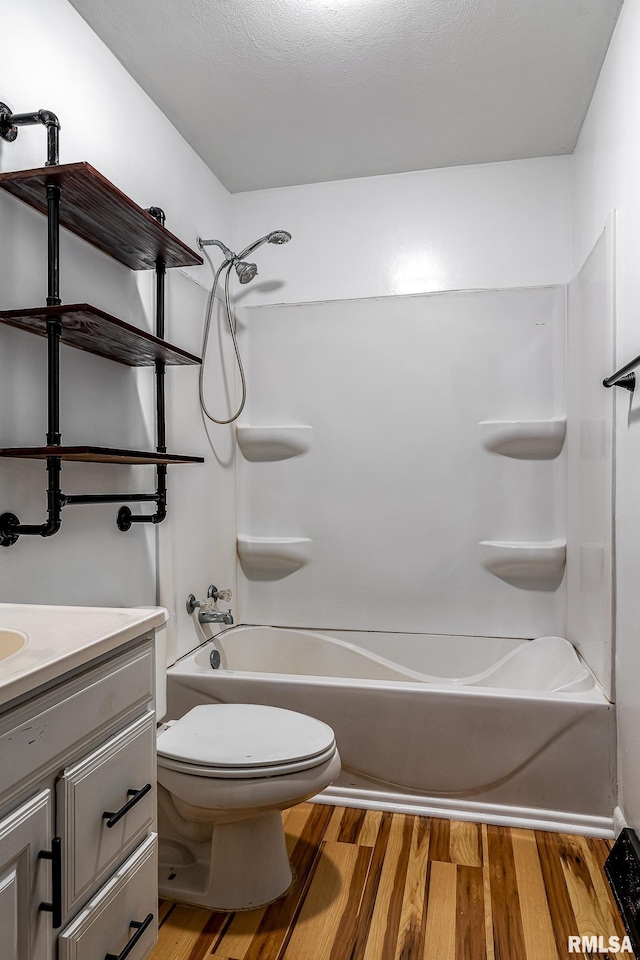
(78, 874)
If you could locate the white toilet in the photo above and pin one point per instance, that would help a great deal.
(225, 772)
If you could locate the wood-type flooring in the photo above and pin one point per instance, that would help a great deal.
(382, 886)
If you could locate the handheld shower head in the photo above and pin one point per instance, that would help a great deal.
(276, 236)
(246, 271)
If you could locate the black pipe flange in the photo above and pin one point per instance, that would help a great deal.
(124, 519)
(8, 521)
(7, 130)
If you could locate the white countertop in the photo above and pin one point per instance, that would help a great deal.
(61, 639)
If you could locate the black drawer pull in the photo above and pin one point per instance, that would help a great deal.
(55, 907)
(112, 818)
(140, 929)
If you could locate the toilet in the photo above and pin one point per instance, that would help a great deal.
(225, 773)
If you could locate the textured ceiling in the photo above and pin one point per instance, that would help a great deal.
(279, 92)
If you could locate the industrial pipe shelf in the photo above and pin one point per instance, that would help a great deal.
(79, 198)
(90, 454)
(94, 331)
(94, 209)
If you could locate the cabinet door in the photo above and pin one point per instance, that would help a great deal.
(106, 780)
(25, 881)
(123, 916)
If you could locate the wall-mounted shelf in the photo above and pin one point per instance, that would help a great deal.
(79, 198)
(88, 454)
(528, 564)
(90, 329)
(524, 439)
(270, 443)
(94, 209)
(272, 558)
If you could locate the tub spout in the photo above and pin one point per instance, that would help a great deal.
(215, 616)
(208, 609)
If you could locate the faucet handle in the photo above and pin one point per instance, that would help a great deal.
(210, 605)
(215, 594)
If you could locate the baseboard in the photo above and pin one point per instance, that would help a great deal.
(622, 868)
(619, 821)
(499, 814)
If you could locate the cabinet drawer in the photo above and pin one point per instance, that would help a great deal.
(129, 897)
(106, 780)
(40, 736)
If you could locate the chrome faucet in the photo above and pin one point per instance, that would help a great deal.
(208, 609)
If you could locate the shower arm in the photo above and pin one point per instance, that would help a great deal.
(9, 123)
(230, 256)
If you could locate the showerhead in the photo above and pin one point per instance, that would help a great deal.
(279, 236)
(276, 236)
(246, 271)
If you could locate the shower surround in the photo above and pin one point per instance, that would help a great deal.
(402, 481)
(369, 497)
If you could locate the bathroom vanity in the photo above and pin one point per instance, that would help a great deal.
(78, 871)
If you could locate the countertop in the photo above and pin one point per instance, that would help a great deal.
(61, 639)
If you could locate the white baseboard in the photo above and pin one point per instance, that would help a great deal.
(499, 814)
(619, 821)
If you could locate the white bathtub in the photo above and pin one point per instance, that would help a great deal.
(504, 731)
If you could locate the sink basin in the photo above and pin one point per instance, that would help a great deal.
(11, 641)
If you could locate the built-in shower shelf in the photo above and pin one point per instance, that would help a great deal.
(529, 564)
(269, 443)
(524, 439)
(89, 454)
(96, 210)
(272, 558)
(90, 329)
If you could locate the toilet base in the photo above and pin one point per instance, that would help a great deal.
(248, 868)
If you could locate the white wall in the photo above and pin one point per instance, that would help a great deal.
(489, 226)
(55, 61)
(607, 160)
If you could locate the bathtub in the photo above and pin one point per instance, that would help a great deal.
(516, 732)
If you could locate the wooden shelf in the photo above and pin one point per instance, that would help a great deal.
(95, 455)
(95, 331)
(94, 209)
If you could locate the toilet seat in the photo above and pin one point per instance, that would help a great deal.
(244, 741)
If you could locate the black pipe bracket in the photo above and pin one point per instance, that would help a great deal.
(9, 123)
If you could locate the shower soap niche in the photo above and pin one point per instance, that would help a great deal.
(272, 558)
(264, 444)
(528, 564)
(524, 439)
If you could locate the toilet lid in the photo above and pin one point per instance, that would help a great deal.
(244, 735)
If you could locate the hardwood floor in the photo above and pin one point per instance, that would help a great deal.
(381, 886)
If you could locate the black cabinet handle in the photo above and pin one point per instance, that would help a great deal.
(55, 907)
(136, 795)
(140, 929)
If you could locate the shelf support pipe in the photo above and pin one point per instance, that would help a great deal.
(125, 517)
(9, 123)
(10, 526)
